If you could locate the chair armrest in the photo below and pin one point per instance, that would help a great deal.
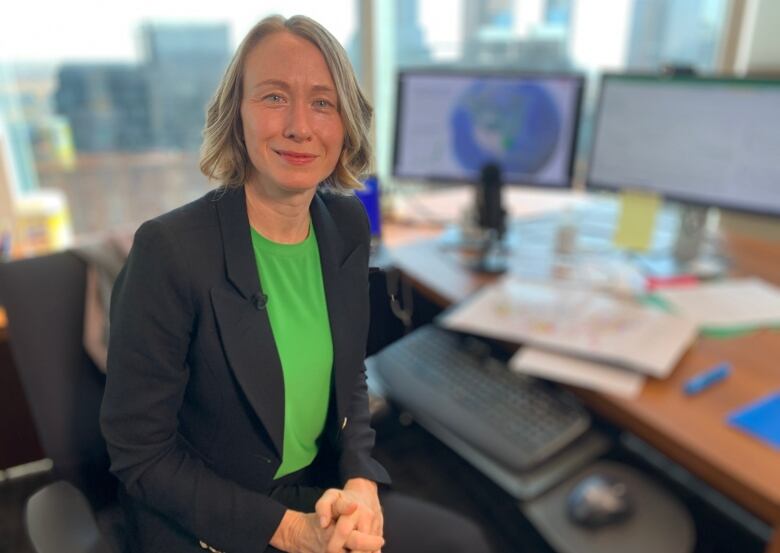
(59, 519)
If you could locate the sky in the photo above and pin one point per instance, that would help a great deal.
(80, 30)
(36, 30)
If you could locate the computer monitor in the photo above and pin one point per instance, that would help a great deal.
(450, 124)
(703, 141)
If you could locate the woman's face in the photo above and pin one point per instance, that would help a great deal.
(290, 114)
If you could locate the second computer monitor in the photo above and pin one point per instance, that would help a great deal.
(705, 141)
(450, 124)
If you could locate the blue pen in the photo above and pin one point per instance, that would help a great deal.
(702, 381)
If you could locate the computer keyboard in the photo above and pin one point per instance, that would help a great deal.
(514, 419)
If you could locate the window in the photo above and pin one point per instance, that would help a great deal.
(560, 34)
(112, 113)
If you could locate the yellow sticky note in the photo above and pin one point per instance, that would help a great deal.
(636, 220)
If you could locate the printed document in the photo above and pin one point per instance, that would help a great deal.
(578, 321)
(727, 303)
(577, 372)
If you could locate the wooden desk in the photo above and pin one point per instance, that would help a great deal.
(690, 430)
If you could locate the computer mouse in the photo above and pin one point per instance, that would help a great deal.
(599, 500)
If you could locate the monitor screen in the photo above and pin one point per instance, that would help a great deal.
(450, 124)
(706, 141)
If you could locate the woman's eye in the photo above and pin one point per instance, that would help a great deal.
(322, 103)
(275, 98)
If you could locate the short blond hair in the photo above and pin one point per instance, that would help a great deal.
(223, 155)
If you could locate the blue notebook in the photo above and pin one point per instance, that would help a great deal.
(760, 419)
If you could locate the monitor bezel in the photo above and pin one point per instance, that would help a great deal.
(577, 78)
(591, 185)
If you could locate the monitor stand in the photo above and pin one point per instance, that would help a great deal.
(694, 252)
(691, 234)
(491, 258)
(481, 236)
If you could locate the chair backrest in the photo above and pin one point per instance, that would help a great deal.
(384, 327)
(44, 302)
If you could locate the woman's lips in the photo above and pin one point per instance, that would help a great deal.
(296, 158)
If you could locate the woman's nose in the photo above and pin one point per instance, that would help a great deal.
(298, 125)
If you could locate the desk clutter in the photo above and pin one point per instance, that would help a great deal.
(593, 339)
(576, 335)
(578, 321)
(619, 297)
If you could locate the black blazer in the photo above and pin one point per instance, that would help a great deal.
(193, 412)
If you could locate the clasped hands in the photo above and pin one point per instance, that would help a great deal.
(344, 520)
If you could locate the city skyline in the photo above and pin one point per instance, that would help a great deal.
(140, 127)
(157, 102)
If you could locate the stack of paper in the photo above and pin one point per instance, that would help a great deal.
(577, 372)
(729, 303)
(579, 335)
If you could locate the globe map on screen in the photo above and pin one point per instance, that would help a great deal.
(516, 125)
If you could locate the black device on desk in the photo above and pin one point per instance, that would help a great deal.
(516, 420)
(491, 217)
(491, 212)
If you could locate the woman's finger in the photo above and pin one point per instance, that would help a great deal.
(358, 541)
(324, 507)
(342, 507)
(345, 525)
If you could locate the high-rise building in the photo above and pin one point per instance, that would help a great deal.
(410, 47)
(183, 65)
(665, 32)
(510, 34)
(482, 15)
(159, 104)
(17, 170)
(408, 41)
(107, 106)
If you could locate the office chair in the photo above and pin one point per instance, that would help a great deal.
(44, 302)
(385, 326)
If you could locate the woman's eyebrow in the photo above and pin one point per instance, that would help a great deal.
(276, 83)
(322, 88)
(273, 83)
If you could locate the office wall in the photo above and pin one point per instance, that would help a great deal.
(759, 45)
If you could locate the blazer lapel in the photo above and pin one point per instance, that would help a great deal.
(337, 273)
(244, 327)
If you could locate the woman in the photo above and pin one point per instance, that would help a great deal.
(236, 410)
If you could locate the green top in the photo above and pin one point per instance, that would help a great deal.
(292, 279)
